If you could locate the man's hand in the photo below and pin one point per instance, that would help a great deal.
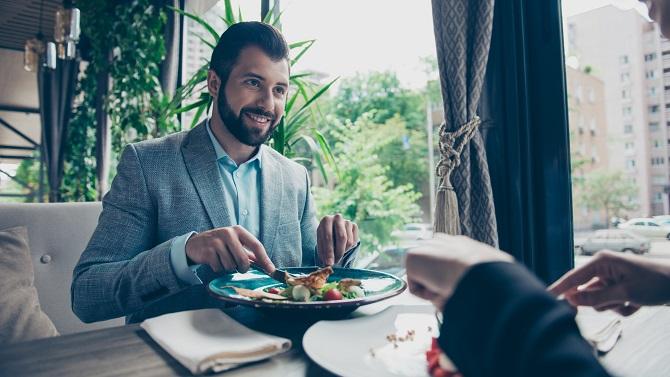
(334, 236)
(435, 266)
(618, 282)
(227, 249)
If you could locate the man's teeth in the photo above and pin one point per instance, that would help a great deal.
(258, 118)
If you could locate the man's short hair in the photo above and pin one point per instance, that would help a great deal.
(245, 34)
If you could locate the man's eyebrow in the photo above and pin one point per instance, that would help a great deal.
(261, 78)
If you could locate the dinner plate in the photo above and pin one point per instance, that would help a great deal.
(377, 286)
(360, 347)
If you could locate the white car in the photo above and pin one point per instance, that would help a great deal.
(413, 232)
(647, 228)
(614, 239)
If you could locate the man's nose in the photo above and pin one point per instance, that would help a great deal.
(264, 100)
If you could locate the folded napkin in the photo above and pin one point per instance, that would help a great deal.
(209, 340)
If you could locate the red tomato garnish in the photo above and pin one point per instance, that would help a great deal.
(332, 294)
(433, 358)
(274, 291)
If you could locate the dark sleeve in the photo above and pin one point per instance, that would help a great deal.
(500, 321)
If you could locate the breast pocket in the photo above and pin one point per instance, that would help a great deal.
(287, 246)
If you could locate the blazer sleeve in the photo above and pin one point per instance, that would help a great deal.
(122, 269)
(308, 226)
(500, 321)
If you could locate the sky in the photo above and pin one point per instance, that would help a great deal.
(362, 35)
(572, 7)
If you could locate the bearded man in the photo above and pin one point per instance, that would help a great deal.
(209, 200)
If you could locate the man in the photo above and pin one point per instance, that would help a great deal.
(214, 196)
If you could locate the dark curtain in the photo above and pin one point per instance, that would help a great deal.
(56, 94)
(524, 115)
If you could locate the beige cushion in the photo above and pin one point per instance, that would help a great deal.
(21, 317)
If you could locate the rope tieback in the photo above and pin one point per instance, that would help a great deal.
(451, 146)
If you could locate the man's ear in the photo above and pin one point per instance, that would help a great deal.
(213, 83)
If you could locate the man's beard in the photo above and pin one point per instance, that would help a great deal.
(236, 126)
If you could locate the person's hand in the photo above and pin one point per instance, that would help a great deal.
(227, 249)
(434, 267)
(618, 282)
(334, 236)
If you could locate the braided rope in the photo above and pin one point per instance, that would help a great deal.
(451, 146)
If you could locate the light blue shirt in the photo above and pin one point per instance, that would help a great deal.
(241, 194)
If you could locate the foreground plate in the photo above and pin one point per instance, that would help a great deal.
(377, 285)
(359, 347)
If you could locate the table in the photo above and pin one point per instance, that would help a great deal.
(644, 349)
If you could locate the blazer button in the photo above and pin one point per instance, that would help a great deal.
(46, 259)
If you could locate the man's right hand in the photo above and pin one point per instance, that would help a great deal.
(227, 249)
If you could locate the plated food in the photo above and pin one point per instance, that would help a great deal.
(327, 290)
(312, 287)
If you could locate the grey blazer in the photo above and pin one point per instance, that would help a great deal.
(168, 187)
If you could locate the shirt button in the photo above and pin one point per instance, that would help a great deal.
(245, 212)
(237, 174)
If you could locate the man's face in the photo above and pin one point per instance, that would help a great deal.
(659, 11)
(251, 103)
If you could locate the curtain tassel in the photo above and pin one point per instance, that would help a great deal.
(446, 215)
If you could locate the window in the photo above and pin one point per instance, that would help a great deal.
(629, 146)
(653, 126)
(652, 91)
(626, 111)
(650, 74)
(653, 109)
(578, 94)
(659, 180)
(625, 77)
(623, 59)
(649, 57)
(657, 144)
(625, 94)
(658, 198)
(628, 129)
(630, 164)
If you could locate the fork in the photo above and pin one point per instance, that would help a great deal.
(606, 338)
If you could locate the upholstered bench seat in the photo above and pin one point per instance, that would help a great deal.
(58, 233)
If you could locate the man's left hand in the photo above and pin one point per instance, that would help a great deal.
(334, 236)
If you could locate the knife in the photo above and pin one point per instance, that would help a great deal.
(279, 275)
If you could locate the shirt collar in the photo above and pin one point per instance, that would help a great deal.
(221, 153)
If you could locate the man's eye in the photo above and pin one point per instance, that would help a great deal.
(280, 90)
(253, 82)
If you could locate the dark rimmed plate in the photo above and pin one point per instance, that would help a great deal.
(377, 285)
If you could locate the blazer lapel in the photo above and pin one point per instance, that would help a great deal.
(272, 193)
(200, 160)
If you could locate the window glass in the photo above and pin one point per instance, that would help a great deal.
(624, 148)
